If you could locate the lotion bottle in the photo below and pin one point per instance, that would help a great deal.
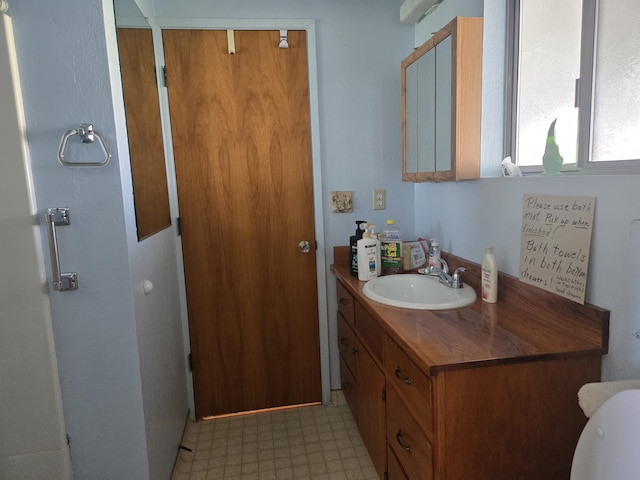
(368, 255)
(434, 254)
(489, 276)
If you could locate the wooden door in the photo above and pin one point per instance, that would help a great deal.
(241, 136)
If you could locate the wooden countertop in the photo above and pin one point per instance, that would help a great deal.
(527, 324)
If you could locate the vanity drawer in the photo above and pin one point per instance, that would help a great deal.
(407, 440)
(345, 304)
(348, 384)
(413, 386)
(347, 343)
(370, 332)
(394, 469)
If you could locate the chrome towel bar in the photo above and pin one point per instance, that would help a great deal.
(61, 281)
(87, 135)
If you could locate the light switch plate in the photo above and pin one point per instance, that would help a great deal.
(379, 199)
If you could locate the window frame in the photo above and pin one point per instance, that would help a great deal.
(584, 100)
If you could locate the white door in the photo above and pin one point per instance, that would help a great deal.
(33, 443)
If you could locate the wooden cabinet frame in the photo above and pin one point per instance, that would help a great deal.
(466, 100)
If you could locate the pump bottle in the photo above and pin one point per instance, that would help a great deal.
(489, 276)
(353, 252)
(368, 255)
(434, 254)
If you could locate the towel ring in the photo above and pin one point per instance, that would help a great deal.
(87, 135)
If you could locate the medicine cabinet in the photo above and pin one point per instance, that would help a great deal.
(441, 105)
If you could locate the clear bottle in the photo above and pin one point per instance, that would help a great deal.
(368, 255)
(434, 253)
(489, 276)
(391, 248)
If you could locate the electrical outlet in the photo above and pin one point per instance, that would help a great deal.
(379, 199)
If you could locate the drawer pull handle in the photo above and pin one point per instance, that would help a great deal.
(401, 377)
(406, 446)
(347, 386)
(345, 341)
(344, 302)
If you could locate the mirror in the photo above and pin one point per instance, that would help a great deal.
(144, 127)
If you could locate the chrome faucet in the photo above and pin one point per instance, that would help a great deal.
(451, 281)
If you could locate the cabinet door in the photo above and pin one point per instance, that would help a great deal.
(394, 469)
(407, 440)
(371, 409)
(443, 105)
(349, 387)
(411, 119)
(442, 90)
(347, 343)
(427, 111)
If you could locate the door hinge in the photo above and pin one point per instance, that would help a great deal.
(164, 76)
(178, 226)
(384, 394)
(190, 362)
(386, 475)
(577, 94)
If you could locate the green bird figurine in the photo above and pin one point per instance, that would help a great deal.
(552, 160)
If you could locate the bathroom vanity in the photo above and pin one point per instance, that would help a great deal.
(484, 392)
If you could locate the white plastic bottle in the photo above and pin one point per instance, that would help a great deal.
(489, 276)
(391, 247)
(434, 254)
(368, 256)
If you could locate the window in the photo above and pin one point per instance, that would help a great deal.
(576, 62)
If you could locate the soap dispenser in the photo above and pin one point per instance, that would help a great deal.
(434, 254)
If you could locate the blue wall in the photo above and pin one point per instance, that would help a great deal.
(469, 215)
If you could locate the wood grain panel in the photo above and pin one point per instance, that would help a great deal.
(346, 305)
(371, 409)
(347, 343)
(408, 441)
(349, 387)
(394, 469)
(530, 419)
(370, 331)
(144, 129)
(242, 148)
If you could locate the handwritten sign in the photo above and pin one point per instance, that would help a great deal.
(556, 237)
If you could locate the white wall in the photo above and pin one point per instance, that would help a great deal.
(469, 215)
(33, 443)
(120, 356)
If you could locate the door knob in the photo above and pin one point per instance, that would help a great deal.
(304, 246)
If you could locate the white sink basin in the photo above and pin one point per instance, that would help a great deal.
(421, 292)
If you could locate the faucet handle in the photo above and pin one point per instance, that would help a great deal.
(457, 283)
(445, 265)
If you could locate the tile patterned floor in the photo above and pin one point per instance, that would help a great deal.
(303, 443)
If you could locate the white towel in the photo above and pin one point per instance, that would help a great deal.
(592, 395)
